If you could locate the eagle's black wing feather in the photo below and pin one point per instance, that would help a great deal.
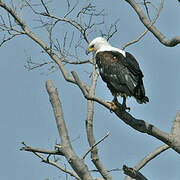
(115, 73)
(130, 62)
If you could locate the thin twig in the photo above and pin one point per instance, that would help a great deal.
(8, 39)
(92, 147)
(77, 62)
(45, 7)
(110, 170)
(147, 10)
(68, 5)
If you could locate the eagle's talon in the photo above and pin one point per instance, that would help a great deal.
(113, 106)
(124, 108)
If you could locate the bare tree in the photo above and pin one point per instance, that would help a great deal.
(65, 50)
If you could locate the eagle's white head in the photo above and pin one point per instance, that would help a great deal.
(97, 44)
(100, 44)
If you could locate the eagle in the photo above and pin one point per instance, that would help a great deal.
(120, 71)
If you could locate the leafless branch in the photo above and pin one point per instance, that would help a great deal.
(133, 173)
(176, 126)
(110, 31)
(145, 127)
(13, 6)
(7, 27)
(90, 10)
(92, 147)
(176, 131)
(44, 151)
(151, 156)
(86, 9)
(75, 22)
(4, 40)
(48, 161)
(69, 11)
(76, 163)
(164, 40)
(45, 7)
(68, 5)
(148, 158)
(33, 65)
(89, 125)
(86, 93)
(134, 41)
(147, 10)
(110, 170)
(77, 62)
(49, 51)
(144, 33)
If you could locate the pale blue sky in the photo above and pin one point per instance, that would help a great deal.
(26, 114)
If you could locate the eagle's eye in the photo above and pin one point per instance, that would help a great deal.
(92, 46)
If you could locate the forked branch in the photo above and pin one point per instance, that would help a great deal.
(147, 159)
(93, 146)
(145, 32)
(37, 152)
(164, 40)
(133, 173)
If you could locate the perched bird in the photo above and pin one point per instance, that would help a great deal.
(120, 71)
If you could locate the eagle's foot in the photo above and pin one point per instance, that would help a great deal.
(113, 106)
(124, 108)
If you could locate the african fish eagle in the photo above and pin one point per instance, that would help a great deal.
(120, 71)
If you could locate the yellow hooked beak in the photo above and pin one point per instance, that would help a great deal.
(90, 49)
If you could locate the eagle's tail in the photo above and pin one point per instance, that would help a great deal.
(139, 93)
